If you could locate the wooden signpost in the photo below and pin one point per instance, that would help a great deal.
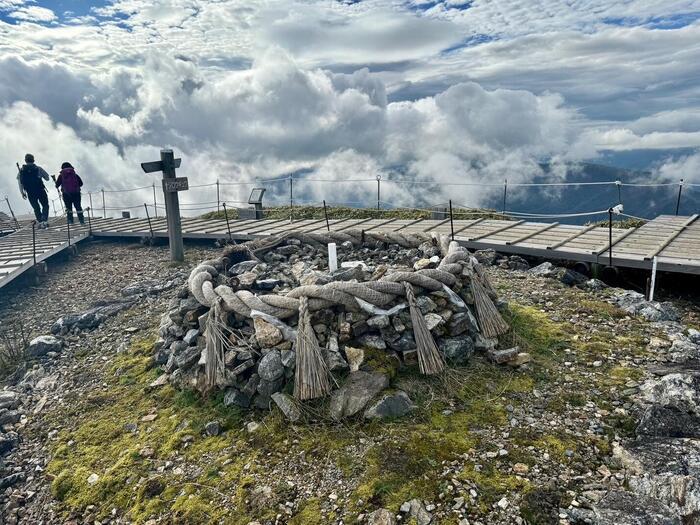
(171, 185)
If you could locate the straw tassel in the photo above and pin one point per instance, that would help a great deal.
(490, 319)
(311, 375)
(429, 359)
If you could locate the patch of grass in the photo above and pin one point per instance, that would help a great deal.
(600, 308)
(101, 443)
(533, 331)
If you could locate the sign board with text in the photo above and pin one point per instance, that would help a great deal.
(176, 184)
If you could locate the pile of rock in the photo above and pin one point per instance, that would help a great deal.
(662, 463)
(260, 356)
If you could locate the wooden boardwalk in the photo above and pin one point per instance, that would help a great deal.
(675, 241)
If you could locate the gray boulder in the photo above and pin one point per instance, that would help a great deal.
(91, 318)
(288, 405)
(267, 388)
(397, 404)
(188, 358)
(461, 323)
(486, 257)
(570, 277)
(372, 341)
(659, 421)
(234, 397)
(666, 470)
(42, 345)
(359, 388)
(381, 517)
(270, 367)
(623, 508)
(457, 350)
(191, 337)
(9, 399)
(680, 390)
(546, 269)
(634, 303)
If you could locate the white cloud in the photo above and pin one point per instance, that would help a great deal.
(278, 117)
(686, 168)
(624, 139)
(246, 89)
(33, 13)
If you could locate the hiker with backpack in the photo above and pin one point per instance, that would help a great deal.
(70, 182)
(32, 188)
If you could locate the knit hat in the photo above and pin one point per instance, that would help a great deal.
(66, 165)
(29, 158)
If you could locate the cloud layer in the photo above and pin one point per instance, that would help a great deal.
(437, 92)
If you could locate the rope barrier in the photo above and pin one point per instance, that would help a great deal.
(436, 183)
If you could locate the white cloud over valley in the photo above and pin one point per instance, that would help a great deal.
(433, 93)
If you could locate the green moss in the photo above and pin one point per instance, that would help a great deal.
(380, 361)
(309, 514)
(102, 444)
(533, 331)
(492, 483)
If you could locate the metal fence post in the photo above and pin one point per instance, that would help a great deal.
(228, 224)
(155, 201)
(218, 200)
(7, 199)
(379, 185)
(325, 213)
(678, 202)
(505, 194)
(610, 214)
(34, 241)
(452, 225)
(150, 227)
(291, 198)
(89, 210)
(90, 197)
(104, 206)
(619, 191)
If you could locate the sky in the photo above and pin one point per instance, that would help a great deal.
(437, 91)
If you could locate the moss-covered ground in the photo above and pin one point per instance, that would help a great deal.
(473, 425)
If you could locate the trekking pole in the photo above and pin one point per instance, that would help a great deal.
(68, 226)
(228, 225)
(7, 200)
(60, 199)
(149, 219)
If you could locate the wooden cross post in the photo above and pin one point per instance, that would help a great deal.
(171, 185)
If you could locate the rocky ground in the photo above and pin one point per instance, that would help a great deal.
(581, 434)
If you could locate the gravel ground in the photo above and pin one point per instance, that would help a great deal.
(559, 420)
(100, 271)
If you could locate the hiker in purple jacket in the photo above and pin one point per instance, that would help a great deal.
(70, 182)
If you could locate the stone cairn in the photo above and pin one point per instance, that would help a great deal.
(268, 319)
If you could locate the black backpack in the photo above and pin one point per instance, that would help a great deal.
(30, 178)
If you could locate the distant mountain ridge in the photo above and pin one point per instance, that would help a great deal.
(637, 200)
